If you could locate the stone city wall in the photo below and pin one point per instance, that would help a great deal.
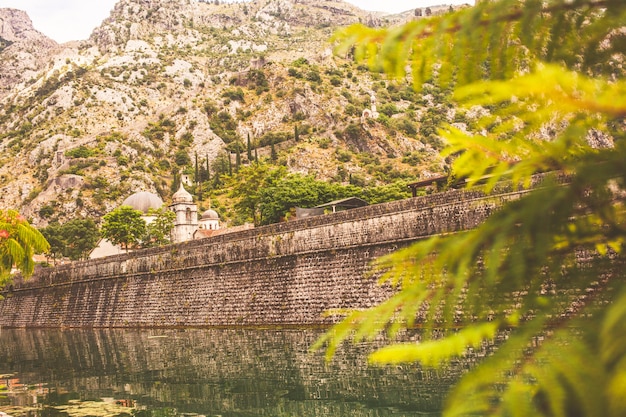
(284, 274)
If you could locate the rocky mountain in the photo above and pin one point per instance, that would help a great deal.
(23, 49)
(161, 83)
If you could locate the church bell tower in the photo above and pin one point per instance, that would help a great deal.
(186, 222)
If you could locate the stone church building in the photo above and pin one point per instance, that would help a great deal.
(187, 225)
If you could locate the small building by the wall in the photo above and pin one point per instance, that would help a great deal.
(371, 113)
(186, 179)
(186, 222)
(209, 220)
(434, 183)
(333, 207)
(343, 204)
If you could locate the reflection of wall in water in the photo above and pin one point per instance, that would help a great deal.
(223, 370)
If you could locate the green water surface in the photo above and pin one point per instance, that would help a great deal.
(205, 372)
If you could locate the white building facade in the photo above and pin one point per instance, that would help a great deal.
(186, 222)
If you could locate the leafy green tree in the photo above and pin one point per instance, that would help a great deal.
(52, 233)
(246, 187)
(296, 190)
(81, 237)
(265, 194)
(158, 232)
(175, 181)
(273, 154)
(182, 158)
(546, 271)
(74, 239)
(124, 226)
(292, 191)
(384, 193)
(80, 152)
(19, 241)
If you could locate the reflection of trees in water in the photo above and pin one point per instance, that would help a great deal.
(219, 371)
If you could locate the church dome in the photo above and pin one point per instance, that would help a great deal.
(143, 201)
(210, 215)
(182, 196)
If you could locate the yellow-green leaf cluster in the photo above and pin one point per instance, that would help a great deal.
(547, 269)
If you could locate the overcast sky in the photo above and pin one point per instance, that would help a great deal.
(66, 20)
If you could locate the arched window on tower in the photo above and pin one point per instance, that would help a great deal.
(188, 215)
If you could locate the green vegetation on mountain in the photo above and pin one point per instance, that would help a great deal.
(159, 86)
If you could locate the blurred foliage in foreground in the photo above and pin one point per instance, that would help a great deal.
(548, 76)
(19, 241)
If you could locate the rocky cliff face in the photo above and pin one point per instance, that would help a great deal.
(23, 50)
(84, 124)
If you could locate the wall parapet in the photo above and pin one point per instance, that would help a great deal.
(281, 274)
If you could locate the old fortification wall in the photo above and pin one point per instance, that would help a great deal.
(283, 274)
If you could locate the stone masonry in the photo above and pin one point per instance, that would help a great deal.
(287, 274)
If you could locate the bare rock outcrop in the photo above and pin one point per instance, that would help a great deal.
(23, 49)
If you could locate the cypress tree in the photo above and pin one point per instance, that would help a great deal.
(174, 182)
(198, 179)
(249, 149)
(273, 155)
(238, 158)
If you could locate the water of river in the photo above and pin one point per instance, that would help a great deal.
(216, 372)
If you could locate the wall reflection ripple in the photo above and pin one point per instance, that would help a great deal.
(228, 372)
